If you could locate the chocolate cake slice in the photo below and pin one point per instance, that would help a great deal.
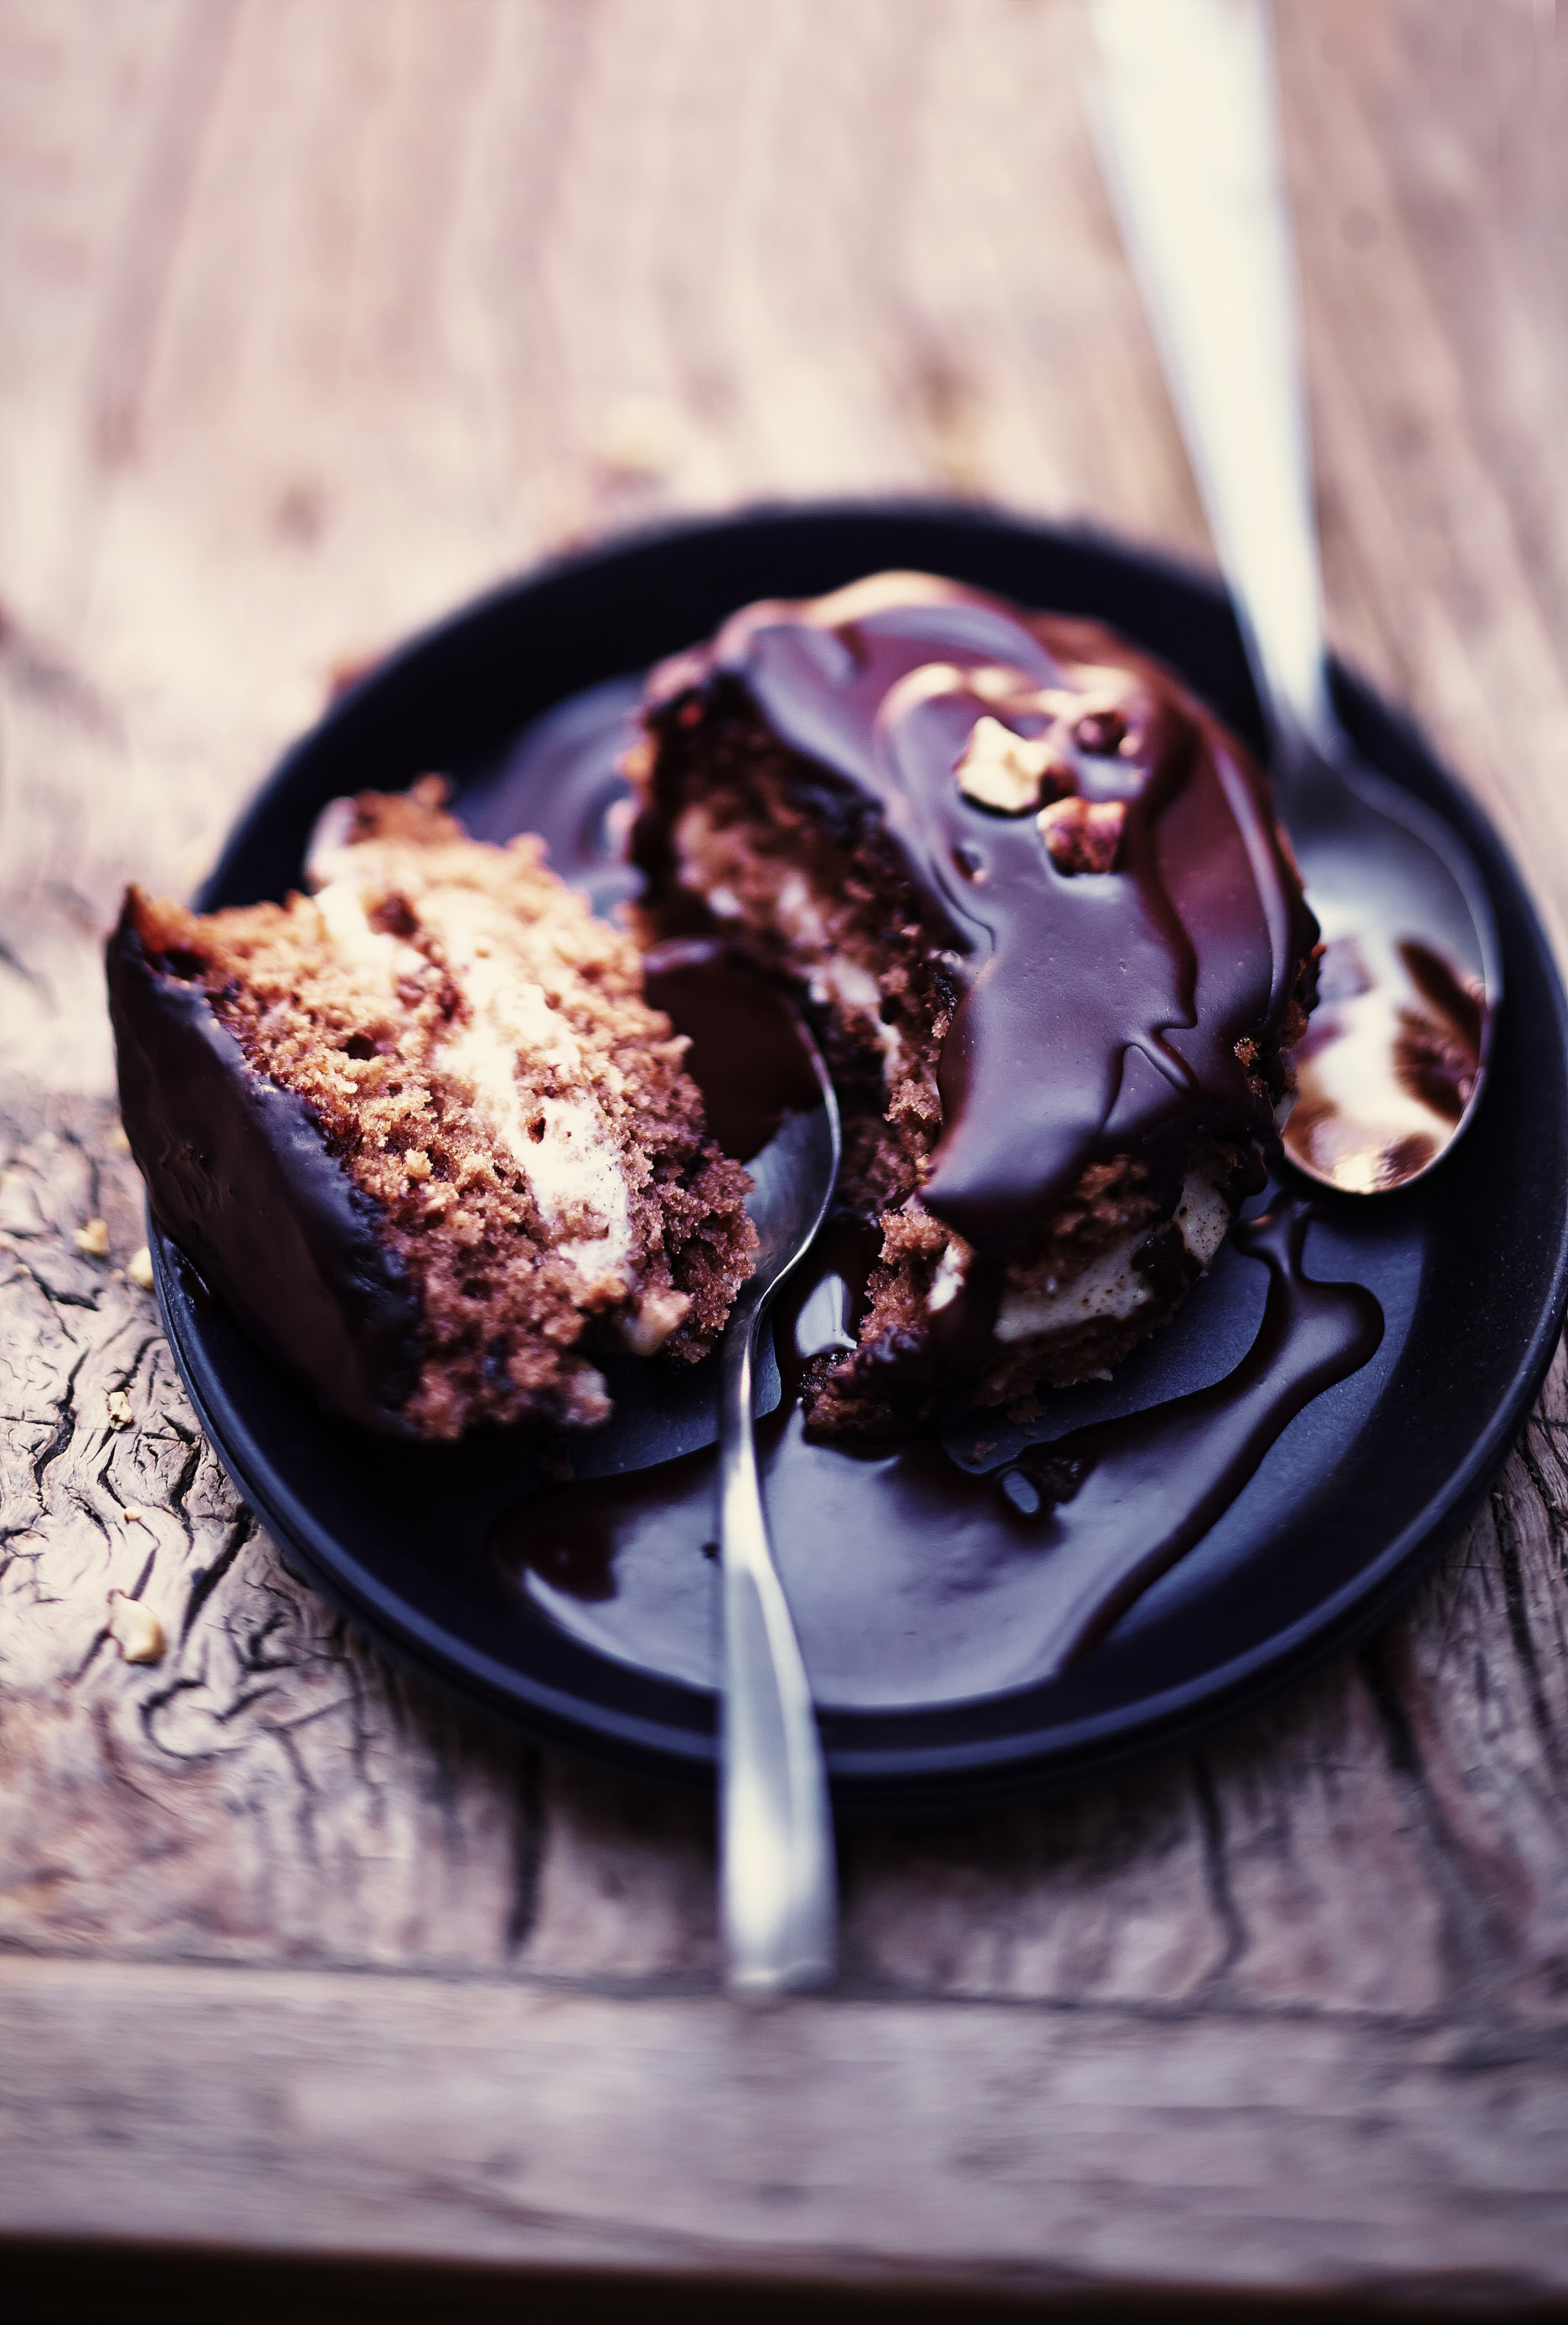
(422, 1131)
(1033, 896)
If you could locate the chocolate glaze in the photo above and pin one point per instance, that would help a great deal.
(1100, 1013)
(238, 1173)
(913, 1579)
(1126, 1499)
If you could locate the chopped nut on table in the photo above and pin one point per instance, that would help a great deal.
(136, 1630)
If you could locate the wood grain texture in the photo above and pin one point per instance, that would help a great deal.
(468, 2120)
(317, 316)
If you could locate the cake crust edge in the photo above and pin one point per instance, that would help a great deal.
(239, 1174)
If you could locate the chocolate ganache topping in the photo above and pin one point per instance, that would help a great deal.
(1099, 852)
(239, 1175)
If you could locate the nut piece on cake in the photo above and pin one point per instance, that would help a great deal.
(422, 1131)
(1010, 773)
(1034, 897)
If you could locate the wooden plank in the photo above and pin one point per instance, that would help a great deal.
(1414, 484)
(866, 2140)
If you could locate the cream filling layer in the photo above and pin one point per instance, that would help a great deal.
(1111, 1286)
(564, 1146)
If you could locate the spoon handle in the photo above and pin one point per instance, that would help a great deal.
(778, 1891)
(1186, 119)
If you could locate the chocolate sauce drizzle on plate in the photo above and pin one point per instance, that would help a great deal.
(911, 1579)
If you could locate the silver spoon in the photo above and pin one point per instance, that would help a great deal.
(1184, 116)
(777, 1888)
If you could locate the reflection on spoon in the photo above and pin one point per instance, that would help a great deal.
(1389, 1065)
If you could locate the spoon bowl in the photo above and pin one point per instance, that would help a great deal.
(1391, 1067)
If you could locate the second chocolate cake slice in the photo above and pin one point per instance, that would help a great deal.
(423, 1130)
(1034, 898)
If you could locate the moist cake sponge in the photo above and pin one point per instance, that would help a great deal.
(421, 1130)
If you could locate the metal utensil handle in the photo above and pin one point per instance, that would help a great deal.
(778, 1890)
(1184, 114)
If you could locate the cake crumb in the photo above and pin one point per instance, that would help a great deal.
(136, 1630)
(639, 435)
(119, 1408)
(646, 1332)
(93, 1240)
(139, 1268)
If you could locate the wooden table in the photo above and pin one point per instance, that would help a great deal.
(318, 315)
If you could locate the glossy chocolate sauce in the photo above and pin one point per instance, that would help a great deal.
(913, 1579)
(1099, 1011)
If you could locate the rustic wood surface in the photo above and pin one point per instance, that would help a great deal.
(315, 317)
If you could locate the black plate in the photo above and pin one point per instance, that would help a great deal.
(1359, 1494)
